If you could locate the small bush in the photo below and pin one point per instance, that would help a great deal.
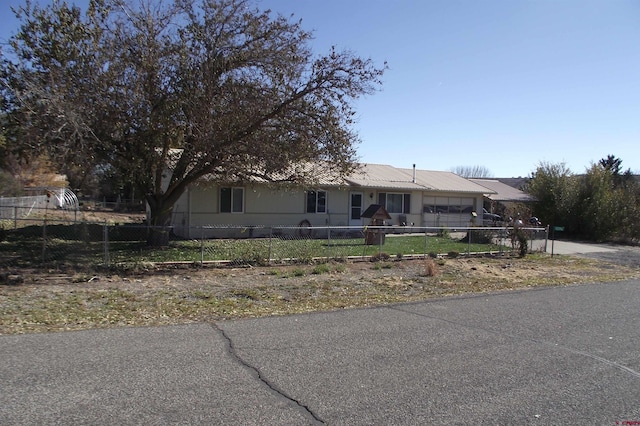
(379, 257)
(453, 254)
(433, 255)
(322, 268)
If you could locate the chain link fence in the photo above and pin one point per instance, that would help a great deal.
(66, 243)
(18, 207)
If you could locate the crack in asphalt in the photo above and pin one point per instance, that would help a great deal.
(258, 373)
(526, 339)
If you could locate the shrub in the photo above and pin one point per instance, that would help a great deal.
(379, 257)
(522, 242)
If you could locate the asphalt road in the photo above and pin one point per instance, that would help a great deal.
(562, 355)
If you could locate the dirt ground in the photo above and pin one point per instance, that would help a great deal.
(507, 271)
(57, 300)
(43, 301)
(96, 216)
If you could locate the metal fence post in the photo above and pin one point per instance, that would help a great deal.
(328, 243)
(44, 239)
(15, 217)
(546, 237)
(105, 239)
(531, 234)
(270, 244)
(426, 237)
(202, 247)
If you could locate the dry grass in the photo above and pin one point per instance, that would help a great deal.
(32, 301)
(431, 268)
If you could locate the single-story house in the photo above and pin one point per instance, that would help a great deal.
(410, 196)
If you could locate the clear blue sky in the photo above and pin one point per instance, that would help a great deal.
(503, 84)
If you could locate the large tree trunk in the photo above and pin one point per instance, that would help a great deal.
(159, 221)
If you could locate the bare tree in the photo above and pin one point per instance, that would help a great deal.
(472, 171)
(167, 93)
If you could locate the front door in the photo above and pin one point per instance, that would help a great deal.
(355, 208)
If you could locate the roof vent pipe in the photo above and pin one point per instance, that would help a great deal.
(414, 173)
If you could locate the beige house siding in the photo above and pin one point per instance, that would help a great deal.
(197, 213)
(198, 209)
(263, 207)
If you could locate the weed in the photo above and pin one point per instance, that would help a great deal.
(246, 293)
(431, 268)
(378, 266)
(322, 268)
(202, 295)
(298, 272)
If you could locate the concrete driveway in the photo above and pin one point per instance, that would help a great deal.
(617, 254)
(568, 247)
(561, 355)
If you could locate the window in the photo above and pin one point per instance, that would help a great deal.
(395, 203)
(448, 205)
(316, 201)
(356, 206)
(231, 200)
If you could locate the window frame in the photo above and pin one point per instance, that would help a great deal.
(230, 206)
(383, 199)
(312, 204)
